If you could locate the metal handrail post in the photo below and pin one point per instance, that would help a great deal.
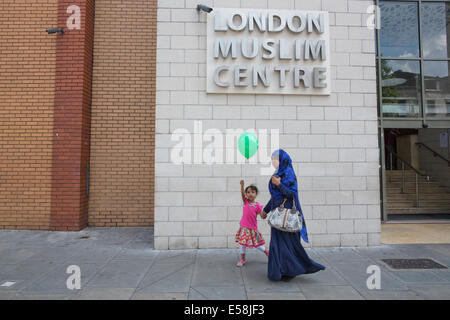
(391, 169)
(403, 177)
(417, 191)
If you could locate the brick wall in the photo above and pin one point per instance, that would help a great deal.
(123, 111)
(71, 126)
(27, 89)
(332, 139)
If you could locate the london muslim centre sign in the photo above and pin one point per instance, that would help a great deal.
(256, 51)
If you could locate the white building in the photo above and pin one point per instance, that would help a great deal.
(331, 133)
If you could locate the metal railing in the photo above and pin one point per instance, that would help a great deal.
(435, 154)
(404, 163)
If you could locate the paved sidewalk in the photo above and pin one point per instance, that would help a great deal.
(119, 263)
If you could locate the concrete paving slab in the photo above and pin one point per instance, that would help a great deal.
(160, 296)
(136, 254)
(120, 274)
(167, 277)
(335, 255)
(217, 269)
(28, 269)
(95, 254)
(176, 256)
(432, 292)
(145, 234)
(390, 295)
(255, 279)
(21, 236)
(55, 282)
(4, 246)
(356, 274)
(46, 239)
(139, 244)
(41, 297)
(418, 276)
(442, 249)
(381, 252)
(8, 295)
(26, 273)
(323, 277)
(276, 296)
(3, 235)
(109, 236)
(331, 293)
(98, 293)
(16, 255)
(55, 254)
(443, 274)
(217, 293)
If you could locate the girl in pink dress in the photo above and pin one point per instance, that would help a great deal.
(248, 235)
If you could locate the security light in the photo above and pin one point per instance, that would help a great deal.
(55, 30)
(202, 7)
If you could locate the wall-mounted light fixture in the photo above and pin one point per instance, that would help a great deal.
(202, 7)
(55, 30)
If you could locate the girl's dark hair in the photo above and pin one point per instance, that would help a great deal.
(252, 187)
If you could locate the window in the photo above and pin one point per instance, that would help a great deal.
(413, 53)
(400, 83)
(435, 20)
(437, 90)
(399, 34)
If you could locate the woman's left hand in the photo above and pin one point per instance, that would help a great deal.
(276, 181)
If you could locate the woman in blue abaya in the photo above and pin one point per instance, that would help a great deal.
(287, 257)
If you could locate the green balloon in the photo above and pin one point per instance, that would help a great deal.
(248, 144)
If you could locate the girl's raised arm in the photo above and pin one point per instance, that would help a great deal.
(242, 191)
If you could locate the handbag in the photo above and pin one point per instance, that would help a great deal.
(283, 219)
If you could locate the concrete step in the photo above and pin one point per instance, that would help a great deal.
(433, 198)
(427, 196)
(443, 202)
(398, 173)
(412, 185)
(421, 204)
(394, 191)
(420, 181)
(417, 210)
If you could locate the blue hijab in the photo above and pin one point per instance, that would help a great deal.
(288, 178)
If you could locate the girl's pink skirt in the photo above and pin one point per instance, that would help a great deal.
(249, 237)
